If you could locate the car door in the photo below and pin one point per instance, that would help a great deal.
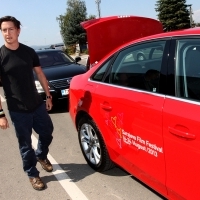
(130, 112)
(181, 122)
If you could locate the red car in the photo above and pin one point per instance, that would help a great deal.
(141, 113)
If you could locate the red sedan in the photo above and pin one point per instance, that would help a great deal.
(138, 106)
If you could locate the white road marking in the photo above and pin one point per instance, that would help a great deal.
(69, 186)
(2, 99)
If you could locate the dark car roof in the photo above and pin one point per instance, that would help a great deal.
(47, 50)
(54, 68)
(54, 56)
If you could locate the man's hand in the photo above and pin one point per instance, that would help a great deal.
(49, 104)
(4, 123)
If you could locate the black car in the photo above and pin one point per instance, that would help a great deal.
(59, 69)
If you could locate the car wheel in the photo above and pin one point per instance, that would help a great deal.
(93, 146)
(140, 56)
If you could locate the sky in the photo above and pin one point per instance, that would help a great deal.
(38, 17)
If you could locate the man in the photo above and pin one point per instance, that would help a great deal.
(26, 108)
(150, 78)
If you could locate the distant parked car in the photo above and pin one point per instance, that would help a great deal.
(59, 46)
(59, 69)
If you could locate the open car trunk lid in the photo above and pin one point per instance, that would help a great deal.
(105, 34)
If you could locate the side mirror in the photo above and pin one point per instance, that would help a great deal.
(77, 59)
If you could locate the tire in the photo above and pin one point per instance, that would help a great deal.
(93, 146)
(140, 56)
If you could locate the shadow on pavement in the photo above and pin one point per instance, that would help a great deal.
(77, 172)
(149, 188)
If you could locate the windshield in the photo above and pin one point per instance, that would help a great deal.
(52, 58)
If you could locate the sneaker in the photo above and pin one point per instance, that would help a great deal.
(46, 165)
(37, 183)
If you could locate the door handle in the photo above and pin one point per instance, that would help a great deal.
(106, 107)
(181, 133)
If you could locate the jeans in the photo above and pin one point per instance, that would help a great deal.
(40, 121)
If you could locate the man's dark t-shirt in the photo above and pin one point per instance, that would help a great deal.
(16, 71)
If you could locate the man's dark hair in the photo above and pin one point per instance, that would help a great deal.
(16, 22)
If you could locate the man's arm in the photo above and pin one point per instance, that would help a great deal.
(3, 120)
(43, 81)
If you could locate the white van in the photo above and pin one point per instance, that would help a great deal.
(59, 46)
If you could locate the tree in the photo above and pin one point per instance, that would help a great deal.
(71, 30)
(62, 23)
(173, 14)
(91, 17)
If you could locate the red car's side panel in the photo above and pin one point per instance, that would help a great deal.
(131, 125)
(182, 143)
(77, 87)
(105, 34)
(81, 94)
(76, 93)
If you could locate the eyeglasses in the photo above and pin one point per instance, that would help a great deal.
(12, 29)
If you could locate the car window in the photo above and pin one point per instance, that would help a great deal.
(51, 58)
(139, 66)
(145, 54)
(99, 74)
(188, 69)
